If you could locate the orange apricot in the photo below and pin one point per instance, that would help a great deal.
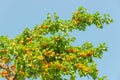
(48, 53)
(79, 65)
(5, 51)
(4, 60)
(89, 53)
(4, 73)
(10, 78)
(12, 67)
(28, 52)
(83, 55)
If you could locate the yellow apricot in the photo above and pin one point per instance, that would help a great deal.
(56, 39)
(22, 73)
(44, 27)
(13, 44)
(21, 42)
(30, 42)
(28, 39)
(76, 13)
(41, 57)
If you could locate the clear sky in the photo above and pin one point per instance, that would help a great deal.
(17, 14)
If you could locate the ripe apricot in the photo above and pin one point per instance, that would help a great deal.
(76, 13)
(57, 65)
(77, 19)
(11, 78)
(48, 53)
(46, 66)
(71, 50)
(44, 50)
(4, 60)
(4, 73)
(44, 27)
(89, 53)
(28, 39)
(52, 54)
(30, 42)
(21, 42)
(56, 39)
(5, 51)
(75, 22)
(12, 67)
(13, 44)
(28, 52)
(22, 73)
(41, 57)
(83, 55)
(69, 58)
(79, 65)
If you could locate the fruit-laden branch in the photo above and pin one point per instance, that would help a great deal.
(46, 51)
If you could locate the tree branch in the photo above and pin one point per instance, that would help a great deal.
(3, 67)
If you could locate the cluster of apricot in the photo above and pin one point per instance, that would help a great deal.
(44, 27)
(49, 53)
(3, 51)
(4, 73)
(22, 73)
(4, 59)
(76, 19)
(69, 58)
(7, 71)
(29, 40)
(86, 54)
(46, 67)
(72, 50)
(51, 68)
(82, 67)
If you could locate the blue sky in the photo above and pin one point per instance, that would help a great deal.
(17, 14)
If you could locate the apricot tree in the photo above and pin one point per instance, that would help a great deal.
(46, 51)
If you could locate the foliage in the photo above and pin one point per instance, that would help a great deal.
(46, 52)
